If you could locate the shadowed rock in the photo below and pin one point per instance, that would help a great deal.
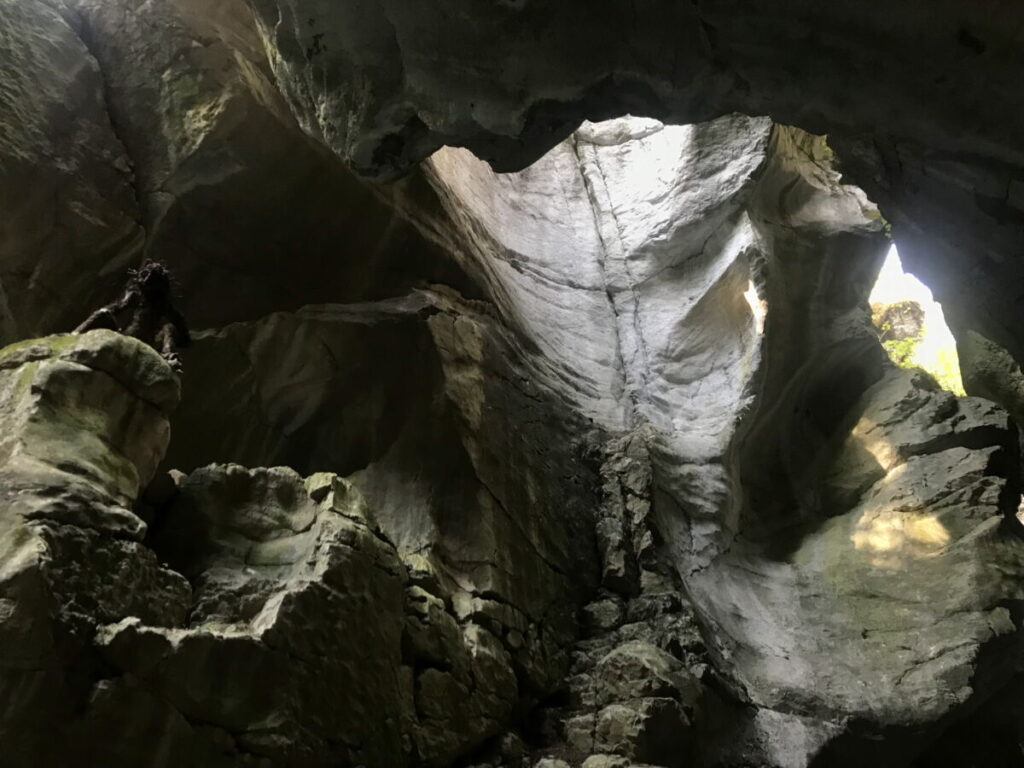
(84, 422)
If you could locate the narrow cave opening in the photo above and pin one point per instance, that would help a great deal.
(912, 326)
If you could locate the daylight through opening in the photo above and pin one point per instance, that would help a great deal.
(911, 325)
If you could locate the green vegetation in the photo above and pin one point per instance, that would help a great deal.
(48, 346)
(946, 371)
(902, 331)
(901, 351)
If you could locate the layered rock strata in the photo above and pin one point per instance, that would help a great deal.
(543, 429)
(922, 102)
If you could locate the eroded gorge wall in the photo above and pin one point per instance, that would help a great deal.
(597, 462)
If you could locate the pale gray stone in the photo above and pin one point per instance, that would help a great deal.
(550, 762)
(606, 761)
(637, 670)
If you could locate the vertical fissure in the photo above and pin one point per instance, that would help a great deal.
(614, 268)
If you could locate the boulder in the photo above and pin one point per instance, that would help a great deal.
(650, 730)
(84, 421)
(637, 670)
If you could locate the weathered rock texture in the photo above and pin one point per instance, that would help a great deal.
(282, 626)
(330, 650)
(143, 129)
(922, 100)
(421, 400)
(84, 423)
(70, 209)
(794, 513)
(634, 691)
(596, 463)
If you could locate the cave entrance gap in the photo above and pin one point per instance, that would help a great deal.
(911, 325)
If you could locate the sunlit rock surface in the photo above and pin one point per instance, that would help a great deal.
(885, 596)
(745, 345)
(781, 519)
(922, 101)
(595, 463)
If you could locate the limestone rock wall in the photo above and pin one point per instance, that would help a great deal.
(143, 129)
(922, 101)
(744, 345)
(594, 463)
(67, 188)
(848, 65)
(421, 402)
(183, 99)
(285, 569)
(85, 422)
(211, 636)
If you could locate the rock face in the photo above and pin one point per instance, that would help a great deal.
(745, 347)
(173, 124)
(330, 651)
(85, 422)
(922, 105)
(922, 486)
(922, 102)
(634, 690)
(696, 63)
(596, 463)
(229, 651)
(71, 208)
(442, 434)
